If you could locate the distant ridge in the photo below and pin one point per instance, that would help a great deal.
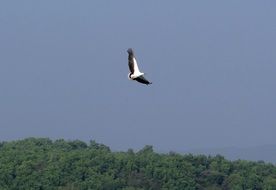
(265, 153)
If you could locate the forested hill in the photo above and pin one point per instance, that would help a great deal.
(44, 164)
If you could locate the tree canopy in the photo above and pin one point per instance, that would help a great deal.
(44, 164)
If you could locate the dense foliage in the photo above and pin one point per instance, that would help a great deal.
(45, 164)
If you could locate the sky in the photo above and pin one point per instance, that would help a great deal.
(63, 72)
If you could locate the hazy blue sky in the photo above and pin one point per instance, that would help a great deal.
(63, 72)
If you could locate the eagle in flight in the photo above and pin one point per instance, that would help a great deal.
(135, 73)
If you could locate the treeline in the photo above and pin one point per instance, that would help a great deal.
(43, 164)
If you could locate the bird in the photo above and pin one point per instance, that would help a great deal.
(135, 73)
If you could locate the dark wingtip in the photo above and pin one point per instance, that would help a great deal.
(129, 50)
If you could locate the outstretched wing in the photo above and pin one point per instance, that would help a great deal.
(132, 63)
(143, 80)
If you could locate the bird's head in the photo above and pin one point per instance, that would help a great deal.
(129, 76)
